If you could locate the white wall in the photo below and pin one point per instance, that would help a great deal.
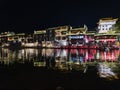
(105, 26)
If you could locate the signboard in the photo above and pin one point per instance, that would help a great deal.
(76, 37)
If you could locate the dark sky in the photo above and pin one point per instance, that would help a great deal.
(27, 16)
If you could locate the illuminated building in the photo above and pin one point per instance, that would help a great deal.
(68, 37)
(50, 37)
(106, 40)
(90, 39)
(61, 39)
(20, 37)
(6, 38)
(76, 37)
(39, 37)
(29, 41)
(106, 24)
(106, 36)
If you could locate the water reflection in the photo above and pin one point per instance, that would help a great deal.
(63, 59)
(106, 70)
(65, 55)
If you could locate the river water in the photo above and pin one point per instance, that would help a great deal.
(65, 59)
(105, 65)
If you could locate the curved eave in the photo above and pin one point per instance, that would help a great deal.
(104, 34)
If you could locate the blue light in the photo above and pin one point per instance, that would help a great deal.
(76, 37)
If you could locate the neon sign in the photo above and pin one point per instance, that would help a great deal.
(76, 37)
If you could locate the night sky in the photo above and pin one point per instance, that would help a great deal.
(27, 16)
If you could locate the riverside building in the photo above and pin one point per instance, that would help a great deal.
(106, 24)
(69, 37)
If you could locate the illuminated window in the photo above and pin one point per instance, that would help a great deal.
(58, 38)
(63, 38)
(63, 32)
(110, 28)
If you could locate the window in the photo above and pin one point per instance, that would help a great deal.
(63, 32)
(110, 28)
(63, 38)
(58, 38)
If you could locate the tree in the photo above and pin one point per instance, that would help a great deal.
(117, 25)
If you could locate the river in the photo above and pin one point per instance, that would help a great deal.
(85, 63)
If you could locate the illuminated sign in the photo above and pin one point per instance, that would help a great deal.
(76, 37)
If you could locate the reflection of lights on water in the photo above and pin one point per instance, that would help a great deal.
(74, 51)
(86, 56)
(20, 54)
(97, 55)
(48, 52)
(75, 56)
(31, 51)
(39, 64)
(58, 53)
(61, 53)
(106, 72)
(77, 63)
(5, 50)
(22, 51)
(110, 56)
(5, 53)
(63, 42)
(43, 52)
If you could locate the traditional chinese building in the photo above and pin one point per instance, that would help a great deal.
(7, 38)
(90, 39)
(76, 37)
(50, 37)
(61, 39)
(40, 37)
(106, 36)
(106, 24)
